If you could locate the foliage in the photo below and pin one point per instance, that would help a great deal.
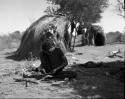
(80, 10)
(120, 8)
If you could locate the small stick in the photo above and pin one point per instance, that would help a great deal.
(26, 84)
(22, 79)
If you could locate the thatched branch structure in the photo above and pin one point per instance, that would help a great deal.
(32, 37)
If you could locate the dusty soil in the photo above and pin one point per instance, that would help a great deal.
(91, 82)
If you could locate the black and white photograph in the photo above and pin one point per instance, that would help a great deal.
(69, 49)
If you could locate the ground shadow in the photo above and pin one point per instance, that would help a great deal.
(16, 57)
(100, 80)
(12, 56)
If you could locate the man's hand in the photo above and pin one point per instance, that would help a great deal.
(43, 71)
(54, 70)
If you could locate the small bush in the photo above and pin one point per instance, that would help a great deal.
(10, 41)
(123, 38)
(113, 37)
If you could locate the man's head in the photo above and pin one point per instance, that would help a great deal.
(48, 45)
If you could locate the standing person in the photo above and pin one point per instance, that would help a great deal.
(52, 58)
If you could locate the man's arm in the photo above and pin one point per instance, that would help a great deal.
(63, 57)
(43, 63)
(65, 62)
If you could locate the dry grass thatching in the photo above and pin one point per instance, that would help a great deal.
(94, 36)
(32, 38)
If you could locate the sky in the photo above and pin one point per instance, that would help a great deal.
(19, 14)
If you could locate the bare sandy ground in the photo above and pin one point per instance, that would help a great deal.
(91, 83)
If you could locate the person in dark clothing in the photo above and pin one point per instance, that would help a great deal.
(73, 25)
(52, 58)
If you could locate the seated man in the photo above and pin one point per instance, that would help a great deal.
(52, 58)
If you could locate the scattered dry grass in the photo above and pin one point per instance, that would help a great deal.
(94, 81)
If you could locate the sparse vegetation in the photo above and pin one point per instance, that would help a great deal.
(115, 37)
(10, 41)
